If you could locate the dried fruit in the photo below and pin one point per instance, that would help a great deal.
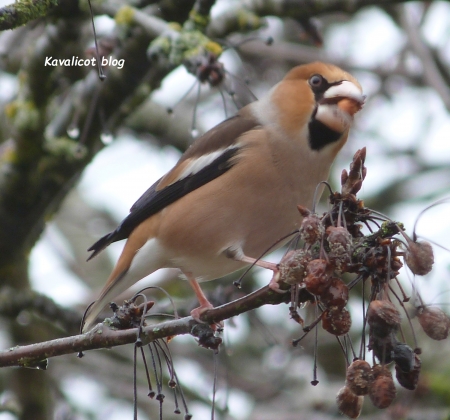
(336, 321)
(311, 229)
(382, 389)
(419, 257)
(378, 370)
(339, 239)
(434, 321)
(348, 403)
(383, 318)
(319, 276)
(293, 266)
(340, 242)
(410, 379)
(383, 347)
(336, 294)
(359, 377)
(403, 356)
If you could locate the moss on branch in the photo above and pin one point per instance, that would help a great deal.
(24, 11)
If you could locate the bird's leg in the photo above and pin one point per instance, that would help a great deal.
(205, 304)
(238, 255)
(259, 263)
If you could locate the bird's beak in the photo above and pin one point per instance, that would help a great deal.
(346, 95)
(339, 104)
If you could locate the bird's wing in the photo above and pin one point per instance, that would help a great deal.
(209, 157)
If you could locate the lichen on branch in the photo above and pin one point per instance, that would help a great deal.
(23, 11)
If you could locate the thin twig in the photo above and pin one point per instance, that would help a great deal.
(102, 336)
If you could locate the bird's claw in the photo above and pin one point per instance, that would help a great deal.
(274, 282)
(197, 313)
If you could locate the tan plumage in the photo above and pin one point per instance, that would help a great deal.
(235, 191)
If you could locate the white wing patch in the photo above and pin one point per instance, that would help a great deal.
(203, 161)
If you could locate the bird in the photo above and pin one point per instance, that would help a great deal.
(234, 192)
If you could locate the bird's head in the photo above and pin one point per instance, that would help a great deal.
(319, 98)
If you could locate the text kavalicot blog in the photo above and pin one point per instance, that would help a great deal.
(76, 61)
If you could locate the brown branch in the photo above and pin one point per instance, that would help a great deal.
(35, 355)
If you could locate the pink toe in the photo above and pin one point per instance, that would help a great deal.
(197, 312)
(274, 285)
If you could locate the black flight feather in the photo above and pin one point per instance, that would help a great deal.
(153, 201)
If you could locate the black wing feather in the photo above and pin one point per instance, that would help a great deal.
(153, 201)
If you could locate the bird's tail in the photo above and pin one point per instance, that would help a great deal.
(132, 266)
(112, 289)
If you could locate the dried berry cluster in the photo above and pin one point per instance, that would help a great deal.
(129, 315)
(132, 315)
(333, 246)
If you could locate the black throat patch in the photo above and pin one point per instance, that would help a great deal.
(320, 135)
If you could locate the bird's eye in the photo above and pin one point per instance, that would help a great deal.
(316, 81)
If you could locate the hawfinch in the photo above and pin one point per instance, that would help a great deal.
(234, 193)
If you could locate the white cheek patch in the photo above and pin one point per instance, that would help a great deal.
(201, 162)
(333, 117)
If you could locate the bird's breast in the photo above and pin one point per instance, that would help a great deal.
(244, 208)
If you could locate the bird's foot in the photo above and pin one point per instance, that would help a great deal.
(274, 282)
(197, 313)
